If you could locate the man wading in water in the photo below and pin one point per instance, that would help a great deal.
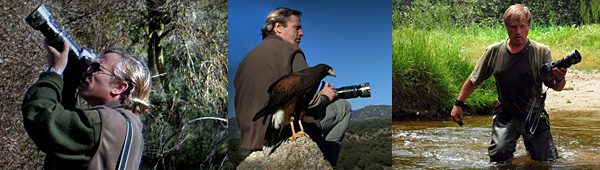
(516, 65)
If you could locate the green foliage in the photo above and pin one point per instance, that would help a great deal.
(431, 65)
(430, 14)
(562, 40)
(590, 11)
(236, 153)
(435, 45)
(429, 68)
(367, 145)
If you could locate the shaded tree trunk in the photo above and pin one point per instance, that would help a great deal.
(588, 9)
(156, 28)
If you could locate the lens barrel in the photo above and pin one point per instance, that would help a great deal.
(354, 91)
(565, 62)
(41, 19)
(79, 59)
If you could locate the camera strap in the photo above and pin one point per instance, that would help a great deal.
(533, 119)
(124, 156)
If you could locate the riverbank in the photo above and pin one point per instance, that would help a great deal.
(580, 94)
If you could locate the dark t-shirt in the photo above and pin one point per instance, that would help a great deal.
(517, 74)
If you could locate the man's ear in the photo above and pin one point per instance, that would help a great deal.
(120, 88)
(278, 28)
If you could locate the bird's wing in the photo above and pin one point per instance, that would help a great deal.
(295, 74)
(280, 93)
(285, 89)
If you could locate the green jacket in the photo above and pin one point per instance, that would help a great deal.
(68, 137)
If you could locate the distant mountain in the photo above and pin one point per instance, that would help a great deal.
(370, 112)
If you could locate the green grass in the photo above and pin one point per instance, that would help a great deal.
(431, 65)
(568, 88)
(563, 40)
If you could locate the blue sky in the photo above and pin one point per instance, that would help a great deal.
(353, 37)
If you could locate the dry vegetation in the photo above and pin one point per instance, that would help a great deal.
(185, 42)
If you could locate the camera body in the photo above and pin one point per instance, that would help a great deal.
(361, 90)
(565, 62)
(79, 59)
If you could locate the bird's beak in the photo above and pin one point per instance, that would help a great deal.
(331, 72)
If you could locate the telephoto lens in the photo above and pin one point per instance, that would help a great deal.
(79, 59)
(41, 19)
(354, 91)
(565, 62)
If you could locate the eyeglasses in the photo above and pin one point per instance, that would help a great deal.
(97, 67)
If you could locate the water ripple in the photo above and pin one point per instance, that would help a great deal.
(444, 145)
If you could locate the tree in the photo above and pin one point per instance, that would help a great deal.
(185, 42)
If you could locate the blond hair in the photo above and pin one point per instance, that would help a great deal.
(515, 12)
(135, 72)
(281, 15)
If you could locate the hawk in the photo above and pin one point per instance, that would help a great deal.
(290, 95)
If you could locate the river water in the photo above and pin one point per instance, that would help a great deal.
(442, 144)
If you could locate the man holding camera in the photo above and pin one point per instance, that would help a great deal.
(106, 136)
(277, 55)
(516, 65)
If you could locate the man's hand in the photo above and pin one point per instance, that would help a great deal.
(329, 91)
(457, 114)
(559, 75)
(56, 59)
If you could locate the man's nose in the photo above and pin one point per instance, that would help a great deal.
(300, 32)
(89, 70)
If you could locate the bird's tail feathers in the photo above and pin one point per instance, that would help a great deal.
(260, 114)
(278, 118)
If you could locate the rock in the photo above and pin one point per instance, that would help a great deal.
(302, 153)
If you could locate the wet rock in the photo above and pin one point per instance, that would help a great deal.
(302, 153)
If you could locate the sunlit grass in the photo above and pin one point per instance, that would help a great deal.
(430, 65)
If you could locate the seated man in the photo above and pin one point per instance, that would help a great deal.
(276, 56)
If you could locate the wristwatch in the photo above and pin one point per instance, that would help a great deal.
(460, 104)
(52, 69)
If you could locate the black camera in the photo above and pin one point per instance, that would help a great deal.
(565, 62)
(79, 59)
(354, 91)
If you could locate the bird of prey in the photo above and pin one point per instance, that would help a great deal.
(290, 95)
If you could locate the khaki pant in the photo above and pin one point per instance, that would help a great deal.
(334, 123)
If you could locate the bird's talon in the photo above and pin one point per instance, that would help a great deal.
(299, 134)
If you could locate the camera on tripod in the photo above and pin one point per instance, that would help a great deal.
(362, 90)
(79, 59)
(565, 62)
